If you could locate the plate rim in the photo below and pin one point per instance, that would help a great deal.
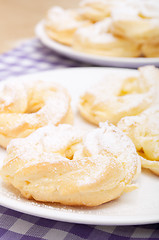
(72, 217)
(90, 58)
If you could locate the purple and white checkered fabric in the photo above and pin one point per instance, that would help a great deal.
(31, 57)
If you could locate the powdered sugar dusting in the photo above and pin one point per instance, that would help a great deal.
(125, 11)
(102, 5)
(13, 97)
(144, 131)
(105, 146)
(97, 33)
(49, 140)
(61, 19)
(109, 139)
(122, 95)
(148, 8)
(125, 8)
(34, 103)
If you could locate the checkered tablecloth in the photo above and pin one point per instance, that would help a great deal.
(29, 57)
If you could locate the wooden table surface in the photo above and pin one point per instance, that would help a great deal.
(19, 17)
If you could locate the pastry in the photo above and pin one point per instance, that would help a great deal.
(133, 29)
(127, 23)
(59, 164)
(118, 96)
(150, 49)
(26, 106)
(97, 39)
(148, 8)
(144, 132)
(61, 24)
(97, 10)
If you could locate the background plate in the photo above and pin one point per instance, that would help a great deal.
(138, 207)
(88, 58)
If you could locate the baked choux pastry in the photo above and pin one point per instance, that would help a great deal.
(26, 106)
(144, 132)
(118, 96)
(127, 23)
(133, 30)
(61, 24)
(97, 10)
(97, 39)
(58, 164)
(144, 8)
(148, 8)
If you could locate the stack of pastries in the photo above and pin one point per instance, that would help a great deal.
(50, 160)
(115, 28)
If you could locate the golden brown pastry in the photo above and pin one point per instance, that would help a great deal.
(144, 132)
(58, 164)
(97, 39)
(26, 106)
(118, 96)
(61, 24)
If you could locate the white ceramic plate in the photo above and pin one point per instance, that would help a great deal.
(138, 207)
(93, 59)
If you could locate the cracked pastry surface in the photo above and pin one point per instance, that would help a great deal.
(27, 106)
(118, 96)
(59, 164)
